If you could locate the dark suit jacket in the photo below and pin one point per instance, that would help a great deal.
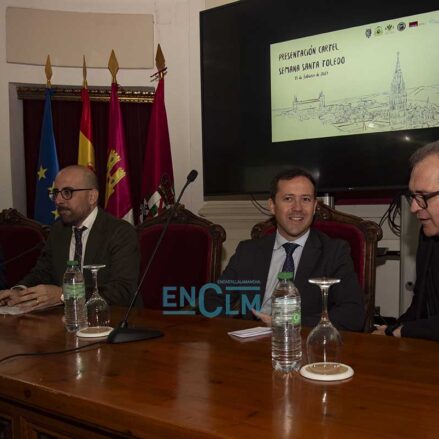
(321, 256)
(111, 241)
(416, 322)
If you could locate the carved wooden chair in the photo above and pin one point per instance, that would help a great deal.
(21, 240)
(189, 256)
(362, 236)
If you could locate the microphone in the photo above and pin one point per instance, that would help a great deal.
(190, 178)
(124, 334)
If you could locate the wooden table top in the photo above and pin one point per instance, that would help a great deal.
(198, 382)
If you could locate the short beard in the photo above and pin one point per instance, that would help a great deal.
(68, 221)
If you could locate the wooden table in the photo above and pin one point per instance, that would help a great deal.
(198, 382)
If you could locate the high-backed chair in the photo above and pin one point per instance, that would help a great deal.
(19, 239)
(362, 236)
(189, 256)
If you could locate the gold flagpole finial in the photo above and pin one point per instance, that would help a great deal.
(113, 66)
(159, 59)
(48, 70)
(84, 72)
(160, 64)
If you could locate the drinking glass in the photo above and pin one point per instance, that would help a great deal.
(324, 342)
(98, 311)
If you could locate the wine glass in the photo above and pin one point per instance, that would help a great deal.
(324, 342)
(98, 311)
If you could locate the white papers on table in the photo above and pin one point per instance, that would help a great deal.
(251, 332)
(12, 310)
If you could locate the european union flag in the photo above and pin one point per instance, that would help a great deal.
(45, 209)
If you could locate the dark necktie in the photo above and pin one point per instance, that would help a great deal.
(289, 261)
(78, 243)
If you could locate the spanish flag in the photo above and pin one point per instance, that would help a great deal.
(86, 152)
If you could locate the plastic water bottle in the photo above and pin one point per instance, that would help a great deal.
(286, 343)
(75, 311)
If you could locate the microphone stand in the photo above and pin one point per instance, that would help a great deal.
(124, 334)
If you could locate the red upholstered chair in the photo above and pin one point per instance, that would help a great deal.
(17, 235)
(362, 236)
(189, 256)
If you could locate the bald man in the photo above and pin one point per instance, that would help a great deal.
(85, 233)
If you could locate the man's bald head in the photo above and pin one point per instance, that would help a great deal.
(85, 175)
(83, 185)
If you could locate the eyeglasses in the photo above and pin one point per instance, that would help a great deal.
(421, 199)
(66, 192)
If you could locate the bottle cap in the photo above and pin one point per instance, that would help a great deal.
(285, 275)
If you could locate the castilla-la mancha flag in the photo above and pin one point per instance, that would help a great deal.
(158, 178)
(118, 191)
(86, 152)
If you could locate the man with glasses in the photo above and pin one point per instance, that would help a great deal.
(421, 320)
(298, 248)
(87, 234)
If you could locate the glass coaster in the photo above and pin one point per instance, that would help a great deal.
(327, 371)
(94, 332)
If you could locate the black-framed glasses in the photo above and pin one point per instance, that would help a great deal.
(66, 192)
(421, 199)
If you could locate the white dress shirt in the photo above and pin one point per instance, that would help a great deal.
(88, 222)
(276, 264)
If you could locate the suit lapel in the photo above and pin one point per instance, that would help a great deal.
(262, 260)
(61, 251)
(426, 246)
(422, 264)
(261, 266)
(309, 259)
(64, 245)
(94, 239)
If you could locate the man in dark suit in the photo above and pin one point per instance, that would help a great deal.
(421, 320)
(293, 202)
(85, 233)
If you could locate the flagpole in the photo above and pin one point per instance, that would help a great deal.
(84, 73)
(47, 167)
(157, 190)
(48, 71)
(118, 199)
(86, 152)
(113, 67)
(160, 63)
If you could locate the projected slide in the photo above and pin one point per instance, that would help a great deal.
(373, 78)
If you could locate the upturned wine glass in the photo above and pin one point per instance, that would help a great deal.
(98, 311)
(324, 342)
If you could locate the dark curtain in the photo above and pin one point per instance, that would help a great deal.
(66, 121)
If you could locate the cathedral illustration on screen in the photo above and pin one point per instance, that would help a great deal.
(398, 108)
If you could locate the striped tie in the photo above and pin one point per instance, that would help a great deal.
(78, 244)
